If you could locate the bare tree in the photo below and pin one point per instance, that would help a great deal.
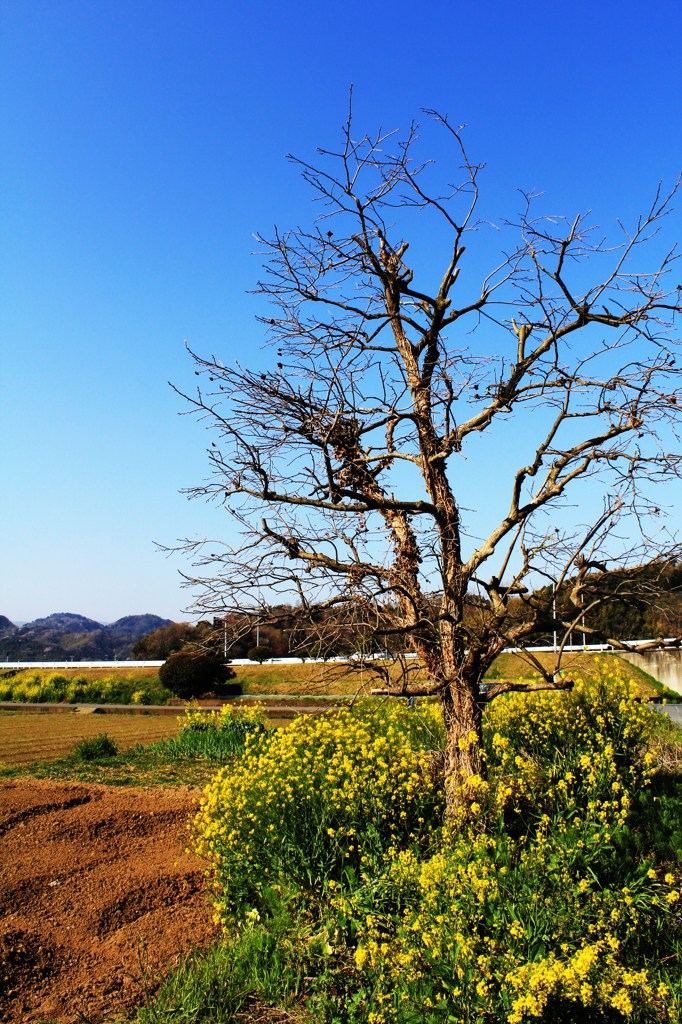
(340, 464)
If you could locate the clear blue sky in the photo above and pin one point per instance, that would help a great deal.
(141, 145)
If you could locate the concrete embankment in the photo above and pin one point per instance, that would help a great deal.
(673, 711)
(664, 665)
(278, 708)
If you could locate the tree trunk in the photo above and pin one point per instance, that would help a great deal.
(462, 717)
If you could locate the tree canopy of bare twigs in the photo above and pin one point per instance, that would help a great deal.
(342, 464)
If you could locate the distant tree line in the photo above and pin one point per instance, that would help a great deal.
(644, 602)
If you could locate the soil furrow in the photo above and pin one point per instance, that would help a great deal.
(98, 897)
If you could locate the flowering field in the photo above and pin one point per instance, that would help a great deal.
(83, 686)
(345, 897)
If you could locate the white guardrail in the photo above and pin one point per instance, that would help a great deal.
(80, 664)
(568, 649)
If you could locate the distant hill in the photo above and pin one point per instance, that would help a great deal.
(64, 622)
(65, 636)
(132, 627)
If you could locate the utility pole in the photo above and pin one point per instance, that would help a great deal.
(583, 621)
(554, 612)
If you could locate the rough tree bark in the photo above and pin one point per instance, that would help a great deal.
(341, 460)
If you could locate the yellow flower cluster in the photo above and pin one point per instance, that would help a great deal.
(471, 928)
(324, 796)
(585, 745)
(605, 709)
(249, 716)
(513, 910)
(592, 977)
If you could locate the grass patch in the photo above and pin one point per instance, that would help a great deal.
(261, 968)
(308, 680)
(134, 768)
(335, 678)
(133, 674)
(138, 766)
(95, 749)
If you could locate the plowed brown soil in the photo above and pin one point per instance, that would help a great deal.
(98, 897)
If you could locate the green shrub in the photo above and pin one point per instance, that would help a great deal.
(191, 675)
(260, 653)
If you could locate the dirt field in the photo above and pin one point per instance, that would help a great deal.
(97, 895)
(30, 735)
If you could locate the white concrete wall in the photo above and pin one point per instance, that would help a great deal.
(666, 666)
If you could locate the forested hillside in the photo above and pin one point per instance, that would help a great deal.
(65, 636)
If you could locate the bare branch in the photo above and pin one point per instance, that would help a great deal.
(345, 466)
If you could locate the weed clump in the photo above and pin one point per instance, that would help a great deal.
(96, 748)
(215, 735)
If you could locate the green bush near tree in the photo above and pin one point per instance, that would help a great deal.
(191, 675)
(261, 653)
